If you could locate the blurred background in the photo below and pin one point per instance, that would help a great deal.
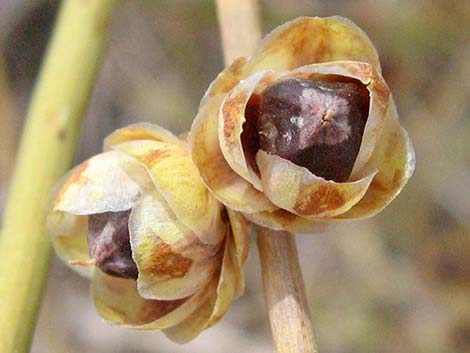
(397, 283)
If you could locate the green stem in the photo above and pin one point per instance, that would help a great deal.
(8, 127)
(46, 151)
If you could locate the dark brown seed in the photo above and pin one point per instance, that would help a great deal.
(108, 241)
(317, 124)
(249, 135)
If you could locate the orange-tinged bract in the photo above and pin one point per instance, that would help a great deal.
(273, 191)
(188, 249)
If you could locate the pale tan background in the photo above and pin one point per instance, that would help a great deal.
(397, 283)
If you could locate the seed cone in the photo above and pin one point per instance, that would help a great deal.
(304, 131)
(165, 254)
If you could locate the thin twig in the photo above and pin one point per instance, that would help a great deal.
(46, 151)
(240, 27)
(282, 279)
(284, 293)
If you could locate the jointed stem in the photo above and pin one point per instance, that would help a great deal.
(46, 151)
(282, 279)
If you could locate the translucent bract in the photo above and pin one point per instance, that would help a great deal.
(276, 193)
(189, 251)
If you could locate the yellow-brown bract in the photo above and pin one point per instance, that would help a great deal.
(281, 195)
(189, 257)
